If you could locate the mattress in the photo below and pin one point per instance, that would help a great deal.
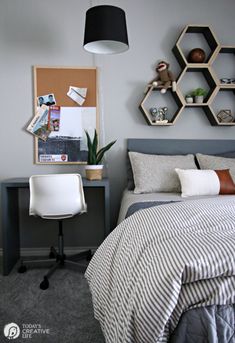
(129, 198)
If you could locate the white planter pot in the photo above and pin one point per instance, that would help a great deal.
(94, 172)
(199, 99)
(189, 100)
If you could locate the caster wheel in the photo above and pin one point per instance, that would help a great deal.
(52, 255)
(22, 269)
(89, 256)
(44, 284)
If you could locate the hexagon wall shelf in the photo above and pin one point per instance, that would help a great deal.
(148, 115)
(208, 76)
(223, 49)
(210, 112)
(205, 69)
(209, 37)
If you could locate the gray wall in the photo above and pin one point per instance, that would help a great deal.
(50, 32)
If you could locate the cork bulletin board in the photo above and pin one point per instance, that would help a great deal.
(68, 145)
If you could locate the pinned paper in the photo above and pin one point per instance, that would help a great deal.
(77, 94)
(39, 124)
(54, 118)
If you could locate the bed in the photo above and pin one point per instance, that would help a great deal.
(167, 272)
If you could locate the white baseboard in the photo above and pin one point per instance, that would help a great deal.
(45, 251)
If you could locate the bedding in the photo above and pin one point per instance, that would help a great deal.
(137, 206)
(211, 324)
(129, 198)
(155, 266)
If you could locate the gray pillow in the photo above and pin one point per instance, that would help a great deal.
(216, 163)
(156, 173)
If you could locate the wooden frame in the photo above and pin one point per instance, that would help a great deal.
(57, 80)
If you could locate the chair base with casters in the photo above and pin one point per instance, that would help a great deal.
(59, 259)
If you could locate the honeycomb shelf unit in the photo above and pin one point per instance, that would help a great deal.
(223, 49)
(209, 37)
(147, 115)
(205, 69)
(210, 112)
(207, 74)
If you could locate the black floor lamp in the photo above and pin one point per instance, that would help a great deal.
(105, 30)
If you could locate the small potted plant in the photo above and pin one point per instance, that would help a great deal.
(199, 94)
(94, 169)
(189, 98)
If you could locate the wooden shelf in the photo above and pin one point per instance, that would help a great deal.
(147, 115)
(156, 88)
(209, 78)
(223, 49)
(205, 68)
(207, 71)
(209, 36)
(227, 86)
(158, 124)
(196, 105)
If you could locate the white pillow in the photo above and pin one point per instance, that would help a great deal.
(198, 182)
(205, 182)
(156, 173)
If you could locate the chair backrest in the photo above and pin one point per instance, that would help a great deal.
(56, 196)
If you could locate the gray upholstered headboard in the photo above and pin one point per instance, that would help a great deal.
(180, 146)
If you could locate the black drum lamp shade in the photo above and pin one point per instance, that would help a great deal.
(105, 30)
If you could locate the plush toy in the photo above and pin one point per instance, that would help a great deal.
(165, 78)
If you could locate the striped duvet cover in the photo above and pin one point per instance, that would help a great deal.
(160, 262)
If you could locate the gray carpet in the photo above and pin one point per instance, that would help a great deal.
(65, 308)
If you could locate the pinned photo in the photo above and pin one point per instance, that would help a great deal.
(48, 99)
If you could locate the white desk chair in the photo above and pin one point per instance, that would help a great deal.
(56, 197)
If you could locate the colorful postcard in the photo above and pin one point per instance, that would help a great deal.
(54, 118)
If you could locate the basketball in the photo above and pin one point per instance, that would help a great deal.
(197, 55)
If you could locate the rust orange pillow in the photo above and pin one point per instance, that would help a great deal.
(227, 185)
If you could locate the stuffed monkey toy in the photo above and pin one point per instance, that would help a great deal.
(165, 77)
